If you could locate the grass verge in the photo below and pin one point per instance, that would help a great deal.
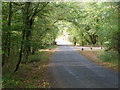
(107, 59)
(30, 75)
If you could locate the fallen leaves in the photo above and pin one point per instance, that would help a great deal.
(93, 55)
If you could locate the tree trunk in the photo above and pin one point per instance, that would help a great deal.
(118, 28)
(6, 43)
(21, 50)
(26, 23)
(23, 43)
(9, 24)
(75, 41)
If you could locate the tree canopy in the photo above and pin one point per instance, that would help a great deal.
(30, 26)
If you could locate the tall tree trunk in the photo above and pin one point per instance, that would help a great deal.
(26, 23)
(25, 11)
(6, 36)
(21, 50)
(82, 40)
(118, 28)
(28, 38)
(9, 24)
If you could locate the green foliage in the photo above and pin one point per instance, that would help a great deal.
(15, 80)
(35, 58)
(28, 27)
(94, 23)
(38, 57)
(9, 81)
(109, 56)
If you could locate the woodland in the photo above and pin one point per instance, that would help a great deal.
(28, 27)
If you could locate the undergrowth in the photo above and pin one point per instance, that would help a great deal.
(109, 56)
(29, 75)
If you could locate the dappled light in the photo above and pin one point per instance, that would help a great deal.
(74, 42)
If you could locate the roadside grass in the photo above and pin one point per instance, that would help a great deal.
(51, 47)
(30, 75)
(111, 57)
(108, 59)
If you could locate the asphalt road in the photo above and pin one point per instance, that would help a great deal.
(69, 69)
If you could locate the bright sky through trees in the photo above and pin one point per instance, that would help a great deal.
(28, 27)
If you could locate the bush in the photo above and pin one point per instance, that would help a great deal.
(109, 56)
(38, 57)
(9, 81)
(34, 58)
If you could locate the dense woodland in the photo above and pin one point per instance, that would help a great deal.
(30, 26)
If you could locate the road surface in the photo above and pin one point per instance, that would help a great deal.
(69, 69)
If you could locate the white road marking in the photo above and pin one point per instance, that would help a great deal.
(71, 72)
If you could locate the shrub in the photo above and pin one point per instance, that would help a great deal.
(109, 56)
(38, 57)
(34, 58)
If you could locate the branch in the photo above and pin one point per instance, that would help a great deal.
(18, 4)
(42, 7)
(86, 39)
(35, 12)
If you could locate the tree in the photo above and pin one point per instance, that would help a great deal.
(7, 34)
(28, 20)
